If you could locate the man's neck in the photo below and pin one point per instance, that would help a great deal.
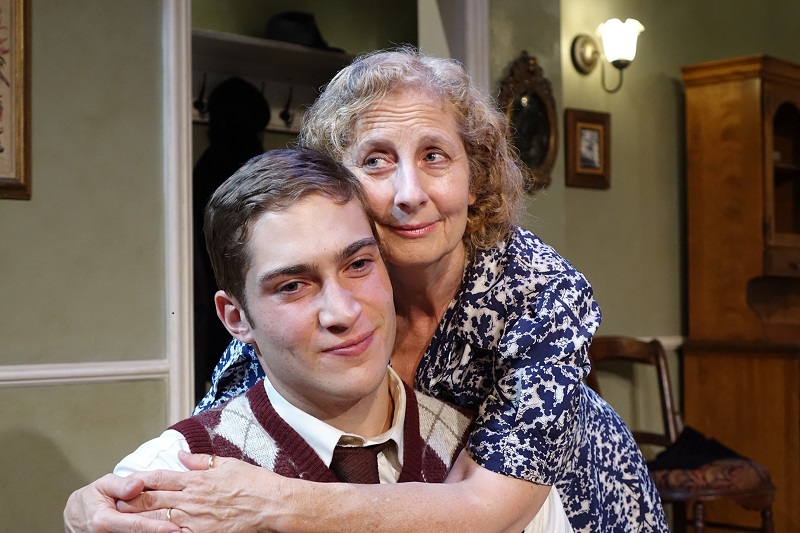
(367, 417)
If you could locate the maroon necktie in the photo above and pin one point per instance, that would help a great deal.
(357, 464)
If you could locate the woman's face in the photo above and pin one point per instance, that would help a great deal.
(408, 154)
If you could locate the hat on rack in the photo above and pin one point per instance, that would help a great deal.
(296, 27)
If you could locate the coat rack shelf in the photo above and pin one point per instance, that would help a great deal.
(277, 68)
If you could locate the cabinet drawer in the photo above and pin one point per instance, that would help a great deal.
(782, 262)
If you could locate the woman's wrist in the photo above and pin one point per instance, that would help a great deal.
(295, 505)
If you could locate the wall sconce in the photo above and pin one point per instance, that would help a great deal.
(619, 48)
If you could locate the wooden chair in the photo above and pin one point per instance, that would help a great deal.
(733, 478)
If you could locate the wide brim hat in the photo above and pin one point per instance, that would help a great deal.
(297, 27)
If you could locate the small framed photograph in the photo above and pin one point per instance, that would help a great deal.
(15, 172)
(588, 152)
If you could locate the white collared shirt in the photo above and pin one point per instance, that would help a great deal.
(323, 437)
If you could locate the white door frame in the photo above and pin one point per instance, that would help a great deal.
(177, 157)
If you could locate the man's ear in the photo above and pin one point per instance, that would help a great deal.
(233, 317)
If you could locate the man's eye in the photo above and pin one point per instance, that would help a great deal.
(361, 264)
(292, 286)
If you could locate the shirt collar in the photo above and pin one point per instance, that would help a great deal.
(323, 437)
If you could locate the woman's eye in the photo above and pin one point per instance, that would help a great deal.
(375, 162)
(433, 157)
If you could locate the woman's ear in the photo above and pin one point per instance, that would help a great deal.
(233, 317)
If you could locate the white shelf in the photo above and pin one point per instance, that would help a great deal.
(251, 57)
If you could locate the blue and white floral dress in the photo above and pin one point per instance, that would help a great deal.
(512, 347)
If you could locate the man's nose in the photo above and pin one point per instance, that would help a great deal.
(338, 308)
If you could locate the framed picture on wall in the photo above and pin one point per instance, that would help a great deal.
(15, 177)
(588, 150)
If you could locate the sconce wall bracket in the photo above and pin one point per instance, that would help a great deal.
(585, 53)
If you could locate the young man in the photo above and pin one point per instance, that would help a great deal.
(303, 281)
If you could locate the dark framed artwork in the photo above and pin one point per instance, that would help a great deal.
(588, 154)
(15, 177)
(527, 98)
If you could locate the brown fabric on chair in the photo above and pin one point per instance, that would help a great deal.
(733, 475)
(692, 468)
(697, 465)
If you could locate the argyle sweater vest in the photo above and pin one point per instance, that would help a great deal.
(248, 428)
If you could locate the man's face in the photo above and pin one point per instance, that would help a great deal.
(319, 305)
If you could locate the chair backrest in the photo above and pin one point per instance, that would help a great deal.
(607, 348)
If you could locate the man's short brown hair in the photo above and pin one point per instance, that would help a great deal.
(270, 182)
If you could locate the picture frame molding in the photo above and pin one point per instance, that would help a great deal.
(16, 182)
(587, 166)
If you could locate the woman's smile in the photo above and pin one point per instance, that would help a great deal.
(414, 231)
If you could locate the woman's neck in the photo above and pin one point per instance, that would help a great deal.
(426, 290)
(421, 297)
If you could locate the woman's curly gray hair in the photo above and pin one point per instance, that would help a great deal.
(496, 173)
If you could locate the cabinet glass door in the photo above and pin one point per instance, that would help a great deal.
(782, 167)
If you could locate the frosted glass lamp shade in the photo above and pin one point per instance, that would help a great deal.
(619, 40)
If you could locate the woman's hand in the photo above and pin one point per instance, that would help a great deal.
(229, 497)
(92, 509)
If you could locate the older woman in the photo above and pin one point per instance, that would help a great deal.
(488, 317)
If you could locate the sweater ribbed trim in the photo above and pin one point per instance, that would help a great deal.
(296, 458)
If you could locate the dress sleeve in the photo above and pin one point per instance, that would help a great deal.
(529, 424)
(236, 372)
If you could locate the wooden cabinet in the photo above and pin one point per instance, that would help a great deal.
(741, 362)
(743, 199)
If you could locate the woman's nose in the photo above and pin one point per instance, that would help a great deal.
(338, 308)
(409, 191)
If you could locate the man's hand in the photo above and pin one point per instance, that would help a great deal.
(93, 509)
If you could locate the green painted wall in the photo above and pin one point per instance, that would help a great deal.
(56, 439)
(628, 239)
(82, 262)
